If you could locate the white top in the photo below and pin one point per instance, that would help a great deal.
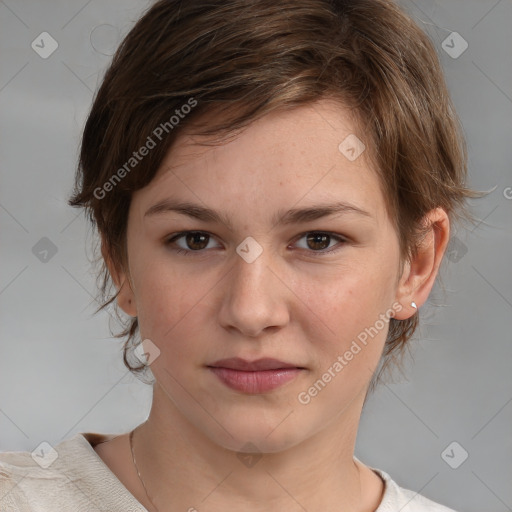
(78, 480)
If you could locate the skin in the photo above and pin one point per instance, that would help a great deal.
(291, 303)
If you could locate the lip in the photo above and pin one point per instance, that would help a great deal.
(259, 376)
(266, 363)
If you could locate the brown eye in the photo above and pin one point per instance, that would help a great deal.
(193, 241)
(196, 240)
(319, 242)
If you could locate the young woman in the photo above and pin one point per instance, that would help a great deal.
(273, 185)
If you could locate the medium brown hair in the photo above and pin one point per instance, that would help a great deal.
(241, 59)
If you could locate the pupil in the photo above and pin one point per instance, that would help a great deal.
(318, 238)
(193, 238)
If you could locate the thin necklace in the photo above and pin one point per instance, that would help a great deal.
(146, 491)
(137, 469)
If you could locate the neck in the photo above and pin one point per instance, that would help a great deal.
(183, 469)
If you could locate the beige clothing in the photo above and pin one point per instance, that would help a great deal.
(79, 481)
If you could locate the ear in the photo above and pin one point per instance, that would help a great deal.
(419, 274)
(125, 297)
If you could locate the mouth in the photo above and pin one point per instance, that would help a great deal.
(254, 377)
(237, 363)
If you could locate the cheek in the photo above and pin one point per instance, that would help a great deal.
(347, 344)
(347, 317)
(347, 299)
(172, 310)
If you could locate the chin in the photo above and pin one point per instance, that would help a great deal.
(256, 437)
(257, 444)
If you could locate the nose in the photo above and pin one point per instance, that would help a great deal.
(254, 297)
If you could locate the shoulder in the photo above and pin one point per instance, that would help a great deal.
(67, 476)
(21, 480)
(397, 498)
(405, 500)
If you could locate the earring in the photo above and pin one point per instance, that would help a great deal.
(413, 304)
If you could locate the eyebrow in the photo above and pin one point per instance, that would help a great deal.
(283, 218)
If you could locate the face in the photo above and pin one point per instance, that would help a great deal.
(258, 280)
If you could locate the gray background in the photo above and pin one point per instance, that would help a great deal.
(60, 370)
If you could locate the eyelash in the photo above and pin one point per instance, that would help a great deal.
(187, 252)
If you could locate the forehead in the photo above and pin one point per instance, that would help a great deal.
(302, 154)
(303, 129)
